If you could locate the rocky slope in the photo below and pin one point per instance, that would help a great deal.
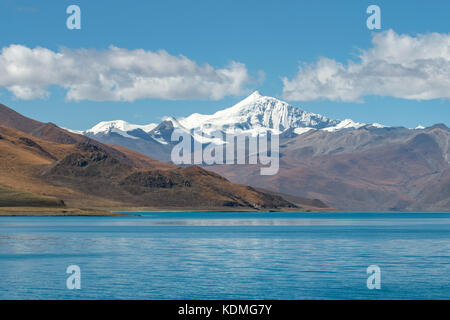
(367, 169)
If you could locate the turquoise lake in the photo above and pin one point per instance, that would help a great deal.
(227, 256)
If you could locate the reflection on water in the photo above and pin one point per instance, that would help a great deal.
(227, 256)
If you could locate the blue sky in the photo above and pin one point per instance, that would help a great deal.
(270, 36)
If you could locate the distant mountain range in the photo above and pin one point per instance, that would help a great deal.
(253, 115)
(349, 165)
(44, 165)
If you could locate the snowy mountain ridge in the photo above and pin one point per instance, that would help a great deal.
(254, 114)
(257, 112)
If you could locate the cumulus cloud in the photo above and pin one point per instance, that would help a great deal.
(115, 74)
(401, 66)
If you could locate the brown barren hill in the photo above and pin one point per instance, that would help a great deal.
(48, 162)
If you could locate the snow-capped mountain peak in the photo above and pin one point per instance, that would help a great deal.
(255, 96)
(257, 112)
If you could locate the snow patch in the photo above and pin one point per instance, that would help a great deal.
(300, 131)
(119, 125)
(345, 124)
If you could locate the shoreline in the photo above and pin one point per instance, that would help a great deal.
(215, 209)
(134, 212)
(130, 211)
(56, 212)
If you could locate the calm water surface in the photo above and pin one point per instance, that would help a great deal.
(227, 256)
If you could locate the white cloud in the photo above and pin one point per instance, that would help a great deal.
(401, 66)
(116, 75)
